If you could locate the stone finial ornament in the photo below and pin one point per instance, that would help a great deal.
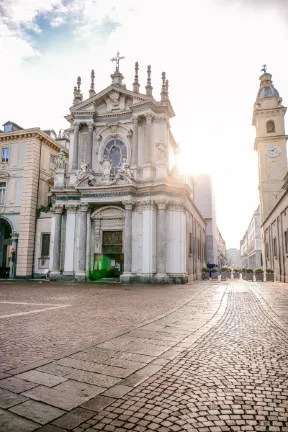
(163, 90)
(136, 84)
(167, 88)
(75, 95)
(79, 84)
(149, 87)
(92, 86)
(78, 97)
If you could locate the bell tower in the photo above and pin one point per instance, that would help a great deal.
(270, 143)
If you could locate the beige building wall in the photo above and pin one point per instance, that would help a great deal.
(275, 239)
(27, 175)
(250, 245)
(28, 209)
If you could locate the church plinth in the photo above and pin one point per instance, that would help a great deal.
(161, 276)
(127, 276)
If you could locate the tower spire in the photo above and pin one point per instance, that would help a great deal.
(163, 90)
(149, 87)
(136, 84)
(92, 89)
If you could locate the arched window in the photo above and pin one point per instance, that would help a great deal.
(116, 151)
(270, 126)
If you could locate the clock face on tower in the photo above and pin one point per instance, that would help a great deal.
(273, 150)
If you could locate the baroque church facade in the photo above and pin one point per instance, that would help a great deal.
(122, 208)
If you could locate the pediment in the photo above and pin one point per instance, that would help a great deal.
(112, 99)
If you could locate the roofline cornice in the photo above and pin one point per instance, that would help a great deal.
(32, 133)
(269, 138)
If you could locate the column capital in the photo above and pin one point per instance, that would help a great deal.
(76, 126)
(135, 119)
(146, 204)
(84, 207)
(128, 204)
(58, 209)
(160, 118)
(180, 206)
(149, 117)
(161, 204)
(71, 208)
(90, 126)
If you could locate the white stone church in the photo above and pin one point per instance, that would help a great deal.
(121, 207)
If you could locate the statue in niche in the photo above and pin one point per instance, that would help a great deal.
(60, 160)
(106, 167)
(161, 151)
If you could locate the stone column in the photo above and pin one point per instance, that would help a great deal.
(80, 274)
(161, 275)
(134, 161)
(75, 147)
(14, 257)
(148, 170)
(149, 117)
(90, 145)
(56, 252)
(70, 241)
(127, 276)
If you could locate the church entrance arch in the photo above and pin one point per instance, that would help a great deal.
(107, 241)
(5, 242)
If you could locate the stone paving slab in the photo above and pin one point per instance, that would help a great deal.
(118, 391)
(98, 403)
(52, 428)
(10, 422)
(67, 395)
(16, 385)
(37, 411)
(96, 367)
(4, 375)
(9, 399)
(41, 378)
(74, 418)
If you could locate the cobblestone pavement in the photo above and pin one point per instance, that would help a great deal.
(217, 363)
(74, 315)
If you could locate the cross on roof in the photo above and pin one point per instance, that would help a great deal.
(117, 60)
(264, 68)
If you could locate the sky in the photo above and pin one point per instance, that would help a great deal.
(211, 50)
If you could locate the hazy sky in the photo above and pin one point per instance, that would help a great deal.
(211, 50)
